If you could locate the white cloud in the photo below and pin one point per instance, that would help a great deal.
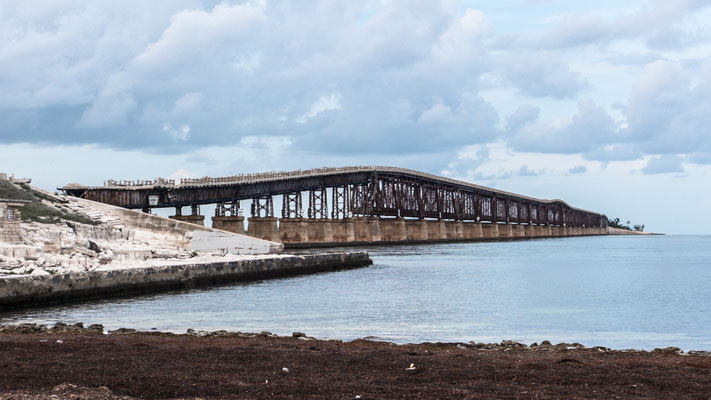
(181, 133)
(324, 103)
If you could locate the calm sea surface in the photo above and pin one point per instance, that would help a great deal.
(620, 292)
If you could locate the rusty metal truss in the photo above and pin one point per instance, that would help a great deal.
(227, 209)
(263, 207)
(355, 191)
(292, 206)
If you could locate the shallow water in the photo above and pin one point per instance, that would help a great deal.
(616, 291)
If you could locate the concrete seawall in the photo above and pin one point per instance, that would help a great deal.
(24, 291)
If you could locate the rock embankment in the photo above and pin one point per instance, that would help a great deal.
(63, 235)
(28, 290)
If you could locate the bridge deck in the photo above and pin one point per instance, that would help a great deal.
(372, 190)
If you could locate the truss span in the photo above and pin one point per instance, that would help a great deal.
(355, 191)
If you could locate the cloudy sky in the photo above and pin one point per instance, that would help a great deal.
(605, 106)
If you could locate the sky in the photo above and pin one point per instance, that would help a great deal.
(606, 104)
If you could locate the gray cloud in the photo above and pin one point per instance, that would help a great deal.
(580, 169)
(666, 113)
(664, 164)
(589, 129)
(541, 74)
(330, 77)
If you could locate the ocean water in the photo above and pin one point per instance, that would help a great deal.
(617, 291)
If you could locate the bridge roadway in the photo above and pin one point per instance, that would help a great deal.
(367, 205)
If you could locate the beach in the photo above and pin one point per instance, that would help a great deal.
(74, 362)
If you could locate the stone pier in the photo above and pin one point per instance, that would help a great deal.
(436, 230)
(366, 229)
(490, 230)
(393, 230)
(266, 228)
(319, 231)
(293, 230)
(505, 231)
(343, 230)
(454, 230)
(193, 219)
(302, 232)
(416, 230)
(233, 224)
(529, 231)
(471, 230)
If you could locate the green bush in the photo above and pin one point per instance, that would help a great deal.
(36, 210)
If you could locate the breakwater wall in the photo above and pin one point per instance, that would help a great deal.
(25, 291)
(302, 232)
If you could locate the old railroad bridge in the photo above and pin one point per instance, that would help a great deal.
(354, 205)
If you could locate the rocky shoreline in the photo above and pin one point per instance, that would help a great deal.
(74, 361)
(504, 345)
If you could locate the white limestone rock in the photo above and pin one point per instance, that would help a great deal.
(39, 272)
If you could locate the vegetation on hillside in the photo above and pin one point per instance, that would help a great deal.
(615, 223)
(36, 210)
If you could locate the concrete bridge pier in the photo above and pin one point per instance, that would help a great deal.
(266, 228)
(529, 231)
(233, 224)
(293, 230)
(436, 230)
(392, 229)
(343, 230)
(547, 231)
(517, 231)
(505, 231)
(566, 231)
(471, 230)
(454, 230)
(319, 230)
(366, 229)
(193, 218)
(490, 230)
(416, 230)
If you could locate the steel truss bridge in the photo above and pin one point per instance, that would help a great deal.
(354, 191)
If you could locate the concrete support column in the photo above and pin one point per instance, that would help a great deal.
(293, 230)
(539, 231)
(490, 231)
(556, 230)
(392, 229)
(472, 230)
(373, 225)
(343, 230)
(505, 231)
(548, 230)
(529, 231)
(266, 228)
(436, 230)
(319, 231)
(566, 231)
(193, 219)
(233, 224)
(366, 229)
(416, 229)
(360, 229)
(454, 230)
